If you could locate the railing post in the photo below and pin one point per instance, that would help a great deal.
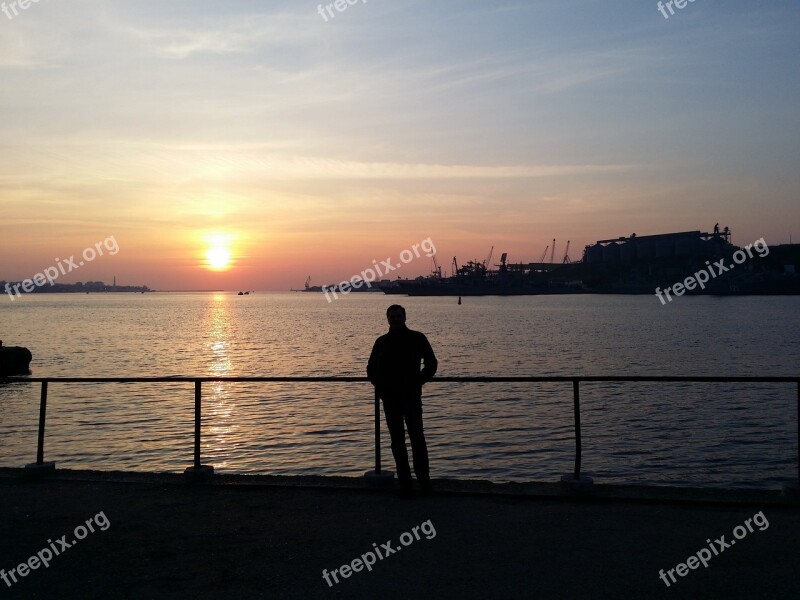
(798, 434)
(198, 472)
(42, 419)
(576, 401)
(378, 478)
(197, 421)
(40, 466)
(574, 482)
(377, 434)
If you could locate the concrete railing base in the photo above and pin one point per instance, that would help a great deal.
(203, 473)
(35, 470)
(791, 491)
(582, 485)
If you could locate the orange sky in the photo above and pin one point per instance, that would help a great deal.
(314, 147)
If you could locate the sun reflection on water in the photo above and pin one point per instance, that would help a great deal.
(218, 399)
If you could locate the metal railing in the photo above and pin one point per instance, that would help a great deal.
(575, 380)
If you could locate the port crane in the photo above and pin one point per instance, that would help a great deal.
(546, 248)
(567, 259)
(487, 262)
(552, 250)
(437, 269)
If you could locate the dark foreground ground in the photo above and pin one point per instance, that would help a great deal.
(167, 539)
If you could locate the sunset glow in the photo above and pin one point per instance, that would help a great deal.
(314, 147)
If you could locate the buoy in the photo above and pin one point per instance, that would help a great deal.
(459, 300)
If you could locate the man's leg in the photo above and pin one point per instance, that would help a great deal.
(413, 414)
(393, 411)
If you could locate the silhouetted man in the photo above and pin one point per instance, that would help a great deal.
(394, 370)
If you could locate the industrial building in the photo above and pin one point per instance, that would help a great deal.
(647, 248)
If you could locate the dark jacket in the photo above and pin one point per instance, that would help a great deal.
(394, 365)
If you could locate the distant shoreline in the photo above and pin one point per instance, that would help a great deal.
(19, 288)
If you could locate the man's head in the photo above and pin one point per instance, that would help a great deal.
(396, 315)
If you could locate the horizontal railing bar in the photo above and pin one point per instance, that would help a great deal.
(575, 380)
(454, 379)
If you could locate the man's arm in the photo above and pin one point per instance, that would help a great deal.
(429, 358)
(372, 364)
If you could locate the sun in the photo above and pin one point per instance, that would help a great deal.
(218, 258)
(218, 250)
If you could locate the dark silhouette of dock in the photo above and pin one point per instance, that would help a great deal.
(271, 537)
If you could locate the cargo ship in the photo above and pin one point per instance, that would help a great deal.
(375, 286)
(477, 278)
